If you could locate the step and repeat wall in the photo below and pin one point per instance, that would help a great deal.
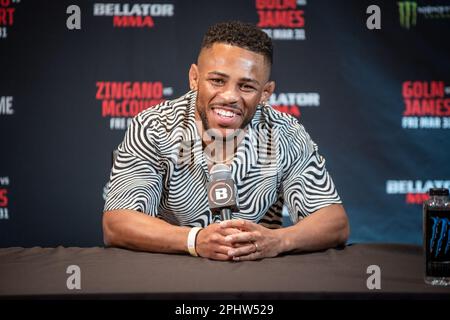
(371, 87)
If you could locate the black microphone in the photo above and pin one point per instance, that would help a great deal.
(222, 192)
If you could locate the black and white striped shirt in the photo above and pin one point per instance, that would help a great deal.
(161, 170)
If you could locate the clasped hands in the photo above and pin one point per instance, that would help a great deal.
(237, 240)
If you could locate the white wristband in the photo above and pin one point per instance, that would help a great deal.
(191, 240)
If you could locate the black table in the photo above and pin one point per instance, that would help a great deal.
(117, 273)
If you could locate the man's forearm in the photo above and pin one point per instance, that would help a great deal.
(326, 228)
(138, 231)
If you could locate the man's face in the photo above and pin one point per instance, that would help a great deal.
(230, 83)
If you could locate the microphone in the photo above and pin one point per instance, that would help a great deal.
(222, 192)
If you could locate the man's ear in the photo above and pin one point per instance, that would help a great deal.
(193, 77)
(268, 89)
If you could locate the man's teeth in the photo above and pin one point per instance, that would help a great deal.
(225, 113)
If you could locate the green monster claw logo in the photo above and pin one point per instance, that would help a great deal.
(408, 13)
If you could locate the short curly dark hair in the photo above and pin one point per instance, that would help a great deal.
(240, 34)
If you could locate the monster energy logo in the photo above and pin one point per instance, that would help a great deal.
(439, 230)
(408, 13)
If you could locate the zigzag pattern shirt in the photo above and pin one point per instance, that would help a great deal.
(160, 168)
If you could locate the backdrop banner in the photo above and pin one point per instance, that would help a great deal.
(375, 100)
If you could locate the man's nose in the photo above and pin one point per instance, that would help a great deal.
(230, 94)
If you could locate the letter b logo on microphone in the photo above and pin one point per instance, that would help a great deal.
(221, 193)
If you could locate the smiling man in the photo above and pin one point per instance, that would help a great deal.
(157, 199)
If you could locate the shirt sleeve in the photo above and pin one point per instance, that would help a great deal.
(306, 184)
(136, 180)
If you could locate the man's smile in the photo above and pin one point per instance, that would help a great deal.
(225, 116)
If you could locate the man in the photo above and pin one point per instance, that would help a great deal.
(157, 199)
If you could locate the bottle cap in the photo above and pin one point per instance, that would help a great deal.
(438, 192)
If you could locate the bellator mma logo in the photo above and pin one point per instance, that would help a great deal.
(121, 101)
(7, 13)
(281, 19)
(4, 183)
(136, 15)
(415, 191)
(290, 103)
(427, 105)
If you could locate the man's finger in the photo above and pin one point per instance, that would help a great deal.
(228, 231)
(241, 237)
(249, 257)
(238, 223)
(220, 256)
(242, 251)
(223, 249)
(239, 244)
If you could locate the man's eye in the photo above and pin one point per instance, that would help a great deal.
(217, 81)
(247, 87)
